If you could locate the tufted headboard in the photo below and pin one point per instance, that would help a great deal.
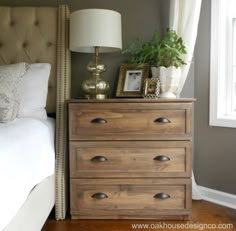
(40, 34)
(29, 34)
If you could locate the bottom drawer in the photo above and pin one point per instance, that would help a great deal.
(124, 198)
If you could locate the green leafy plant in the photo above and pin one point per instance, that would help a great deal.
(168, 50)
(171, 50)
(144, 53)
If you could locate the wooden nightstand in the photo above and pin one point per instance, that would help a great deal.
(130, 158)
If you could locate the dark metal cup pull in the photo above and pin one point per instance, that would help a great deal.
(162, 196)
(99, 159)
(162, 120)
(98, 121)
(162, 158)
(99, 195)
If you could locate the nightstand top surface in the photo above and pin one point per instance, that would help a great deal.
(132, 100)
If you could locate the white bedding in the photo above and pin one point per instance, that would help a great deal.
(27, 156)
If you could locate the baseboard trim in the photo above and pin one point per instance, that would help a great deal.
(218, 197)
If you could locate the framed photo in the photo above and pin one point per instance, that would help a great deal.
(131, 79)
(151, 88)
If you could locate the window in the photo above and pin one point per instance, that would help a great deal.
(223, 63)
(234, 67)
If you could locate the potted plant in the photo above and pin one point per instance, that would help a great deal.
(165, 55)
(170, 57)
(144, 52)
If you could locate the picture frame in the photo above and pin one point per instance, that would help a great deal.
(151, 88)
(131, 79)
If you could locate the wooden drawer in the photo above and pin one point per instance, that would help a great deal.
(129, 198)
(135, 121)
(130, 159)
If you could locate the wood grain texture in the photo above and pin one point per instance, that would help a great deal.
(125, 121)
(203, 213)
(116, 147)
(129, 198)
(134, 100)
(130, 159)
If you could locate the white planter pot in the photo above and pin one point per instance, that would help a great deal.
(154, 71)
(169, 78)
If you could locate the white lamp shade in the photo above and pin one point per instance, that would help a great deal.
(91, 28)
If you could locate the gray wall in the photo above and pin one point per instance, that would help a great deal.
(215, 147)
(139, 19)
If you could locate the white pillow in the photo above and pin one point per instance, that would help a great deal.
(10, 76)
(33, 90)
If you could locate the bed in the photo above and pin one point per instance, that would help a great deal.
(40, 35)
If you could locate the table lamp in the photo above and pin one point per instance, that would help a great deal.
(95, 31)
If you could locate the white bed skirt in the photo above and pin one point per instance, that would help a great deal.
(34, 213)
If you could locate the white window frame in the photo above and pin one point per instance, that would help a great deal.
(220, 74)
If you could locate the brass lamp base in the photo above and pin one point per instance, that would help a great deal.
(99, 97)
(95, 87)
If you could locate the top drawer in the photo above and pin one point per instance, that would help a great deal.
(130, 121)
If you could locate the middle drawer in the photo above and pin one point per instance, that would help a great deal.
(130, 159)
